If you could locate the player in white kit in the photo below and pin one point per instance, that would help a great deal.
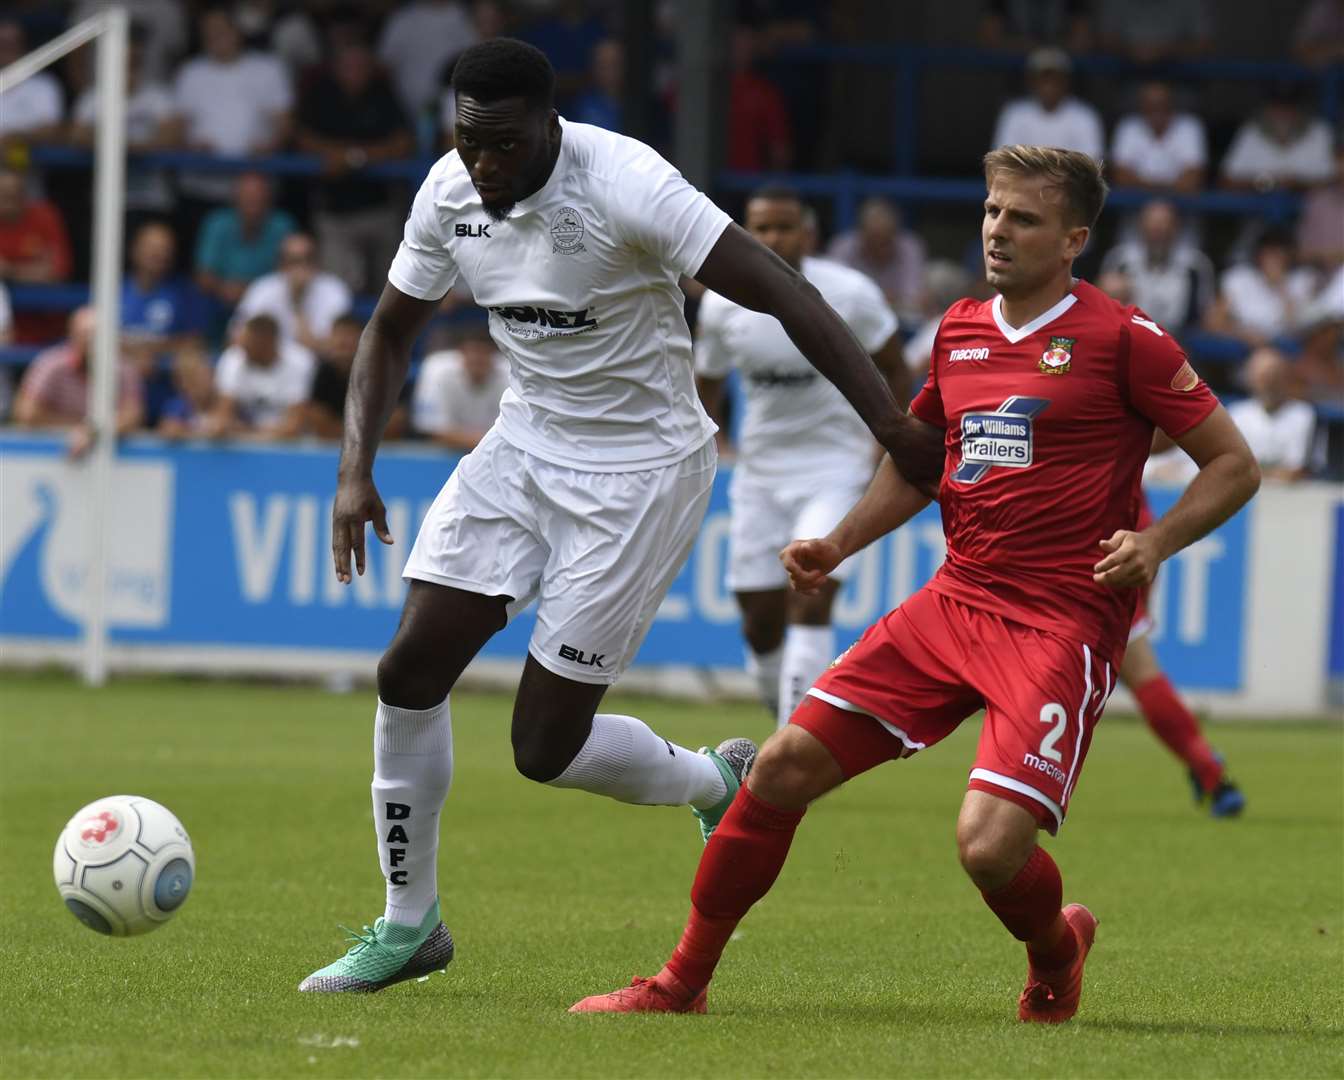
(804, 456)
(588, 492)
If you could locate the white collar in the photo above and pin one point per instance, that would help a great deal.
(1016, 334)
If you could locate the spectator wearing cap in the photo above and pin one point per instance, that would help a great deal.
(889, 254)
(457, 394)
(34, 250)
(1278, 430)
(1280, 147)
(238, 244)
(1171, 280)
(151, 124)
(262, 383)
(1265, 298)
(33, 110)
(55, 388)
(324, 413)
(303, 300)
(1157, 147)
(350, 117)
(231, 101)
(1049, 115)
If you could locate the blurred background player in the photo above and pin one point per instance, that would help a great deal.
(589, 491)
(1022, 619)
(804, 456)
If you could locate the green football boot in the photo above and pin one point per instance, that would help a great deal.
(734, 757)
(384, 954)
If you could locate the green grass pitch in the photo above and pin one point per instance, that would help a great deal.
(1220, 952)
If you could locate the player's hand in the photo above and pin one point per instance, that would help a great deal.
(809, 563)
(357, 502)
(1131, 561)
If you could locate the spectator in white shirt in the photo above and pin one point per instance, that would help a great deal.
(303, 300)
(1278, 431)
(1050, 116)
(1157, 147)
(1265, 298)
(1172, 281)
(1280, 147)
(262, 383)
(457, 393)
(33, 110)
(417, 41)
(232, 103)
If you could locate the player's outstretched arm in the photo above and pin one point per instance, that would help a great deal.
(889, 502)
(376, 379)
(1228, 477)
(748, 273)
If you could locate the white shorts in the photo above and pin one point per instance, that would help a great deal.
(766, 517)
(597, 550)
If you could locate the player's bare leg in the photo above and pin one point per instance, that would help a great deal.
(740, 864)
(790, 642)
(996, 841)
(1172, 721)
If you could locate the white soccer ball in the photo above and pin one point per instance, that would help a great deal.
(124, 865)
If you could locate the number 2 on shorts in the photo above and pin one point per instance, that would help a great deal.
(1053, 713)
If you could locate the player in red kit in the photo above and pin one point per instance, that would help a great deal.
(1170, 718)
(1048, 396)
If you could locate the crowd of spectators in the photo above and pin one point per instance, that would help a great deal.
(239, 299)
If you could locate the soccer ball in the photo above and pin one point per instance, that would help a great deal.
(124, 865)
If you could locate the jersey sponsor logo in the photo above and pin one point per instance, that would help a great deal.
(982, 353)
(530, 322)
(771, 379)
(567, 231)
(462, 228)
(1002, 438)
(578, 656)
(1031, 761)
(1185, 378)
(1057, 359)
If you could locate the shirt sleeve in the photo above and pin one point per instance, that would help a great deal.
(423, 266)
(1162, 385)
(1240, 164)
(872, 320)
(712, 358)
(229, 373)
(656, 210)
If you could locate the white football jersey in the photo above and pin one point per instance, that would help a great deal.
(581, 286)
(797, 425)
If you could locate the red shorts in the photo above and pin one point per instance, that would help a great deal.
(918, 672)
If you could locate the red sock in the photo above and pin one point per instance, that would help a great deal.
(1175, 725)
(740, 863)
(1029, 906)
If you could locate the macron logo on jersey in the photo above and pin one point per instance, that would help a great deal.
(1002, 438)
(981, 353)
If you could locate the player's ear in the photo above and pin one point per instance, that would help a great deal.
(1075, 240)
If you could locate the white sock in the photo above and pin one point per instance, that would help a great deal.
(624, 759)
(412, 771)
(764, 668)
(808, 651)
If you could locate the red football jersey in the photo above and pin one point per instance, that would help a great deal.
(1048, 427)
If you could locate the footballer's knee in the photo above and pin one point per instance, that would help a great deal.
(409, 680)
(792, 769)
(763, 635)
(995, 838)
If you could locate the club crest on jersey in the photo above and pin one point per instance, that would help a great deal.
(567, 231)
(1001, 439)
(1056, 359)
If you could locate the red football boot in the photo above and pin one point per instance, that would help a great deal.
(1051, 997)
(663, 993)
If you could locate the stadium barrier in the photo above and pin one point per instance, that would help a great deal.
(219, 562)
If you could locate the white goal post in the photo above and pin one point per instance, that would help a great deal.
(110, 29)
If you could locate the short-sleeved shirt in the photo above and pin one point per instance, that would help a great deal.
(170, 308)
(1072, 124)
(446, 400)
(1160, 159)
(581, 285)
(264, 394)
(797, 424)
(58, 379)
(1308, 159)
(1280, 439)
(1048, 426)
(1256, 305)
(33, 103)
(326, 299)
(226, 250)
